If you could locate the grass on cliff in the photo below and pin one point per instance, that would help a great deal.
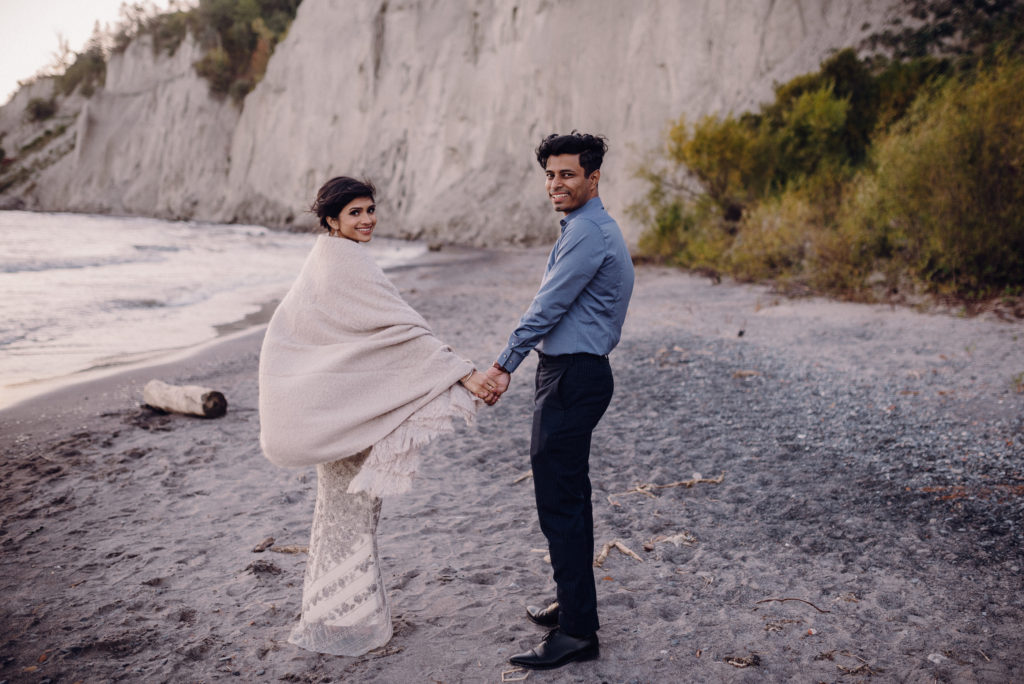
(238, 37)
(40, 109)
(868, 179)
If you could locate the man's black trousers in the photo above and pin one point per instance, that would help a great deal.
(573, 391)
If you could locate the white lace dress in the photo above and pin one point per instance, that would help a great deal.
(344, 605)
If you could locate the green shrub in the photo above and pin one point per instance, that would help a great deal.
(215, 67)
(682, 234)
(810, 133)
(845, 78)
(168, 30)
(968, 28)
(240, 88)
(16, 177)
(899, 83)
(732, 185)
(725, 156)
(865, 178)
(42, 139)
(810, 125)
(945, 192)
(40, 109)
(88, 71)
(773, 240)
(239, 36)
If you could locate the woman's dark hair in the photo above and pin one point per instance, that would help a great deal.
(335, 194)
(591, 149)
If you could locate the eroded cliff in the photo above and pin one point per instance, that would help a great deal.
(440, 102)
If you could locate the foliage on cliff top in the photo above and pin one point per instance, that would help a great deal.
(951, 27)
(870, 178)
(167, 29)
(82, 71)
(238, 37)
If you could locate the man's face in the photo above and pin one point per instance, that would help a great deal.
(567, 187)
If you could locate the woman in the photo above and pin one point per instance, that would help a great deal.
(353, 381)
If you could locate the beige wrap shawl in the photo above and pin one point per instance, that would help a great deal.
(347, 364)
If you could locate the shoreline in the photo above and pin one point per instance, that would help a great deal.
(870, 461)
(138, 290)
(39, 390)
(11, 396)
(62, 397)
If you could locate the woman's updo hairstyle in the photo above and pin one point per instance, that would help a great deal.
(335, 194)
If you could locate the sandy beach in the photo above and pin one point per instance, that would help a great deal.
(816, 492)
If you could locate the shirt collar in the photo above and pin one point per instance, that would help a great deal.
(593, 204)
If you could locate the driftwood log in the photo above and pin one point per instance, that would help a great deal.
(190, 399)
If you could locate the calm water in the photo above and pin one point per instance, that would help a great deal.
(80, 292)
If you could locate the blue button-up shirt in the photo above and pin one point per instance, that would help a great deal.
(582, 300)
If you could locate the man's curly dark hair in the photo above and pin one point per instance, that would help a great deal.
(591, 149)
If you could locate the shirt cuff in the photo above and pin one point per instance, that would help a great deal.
(510, 360)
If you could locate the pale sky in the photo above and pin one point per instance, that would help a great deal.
(29, 28)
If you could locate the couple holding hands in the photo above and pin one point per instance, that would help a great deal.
(353, 381)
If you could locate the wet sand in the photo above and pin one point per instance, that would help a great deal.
(834, 493)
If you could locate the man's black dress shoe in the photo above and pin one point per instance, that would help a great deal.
(545, 617)
(557, 649)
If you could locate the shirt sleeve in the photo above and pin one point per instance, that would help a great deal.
(578, 255)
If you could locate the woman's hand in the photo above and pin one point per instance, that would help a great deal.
(481, 386)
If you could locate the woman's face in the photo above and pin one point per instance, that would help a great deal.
(356, 221)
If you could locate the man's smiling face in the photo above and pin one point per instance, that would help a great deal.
(567, 186)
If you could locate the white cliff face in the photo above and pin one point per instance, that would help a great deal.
(14, 124)
(152, 141)
(441, 103)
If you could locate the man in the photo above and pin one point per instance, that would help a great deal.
(575, 320)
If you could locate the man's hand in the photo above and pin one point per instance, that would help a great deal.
(482, 386)
(500, 378)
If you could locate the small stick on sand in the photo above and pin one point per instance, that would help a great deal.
(646, 488)
(622, 547)
(514, 671)
(263, 545)
(289, 549)
(525, 476)
(860, 669)
(547, 556)
(616, 544)
(780, 600)
(684, 538)
(752, 660)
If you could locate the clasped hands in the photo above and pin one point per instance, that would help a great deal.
(489, 385)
